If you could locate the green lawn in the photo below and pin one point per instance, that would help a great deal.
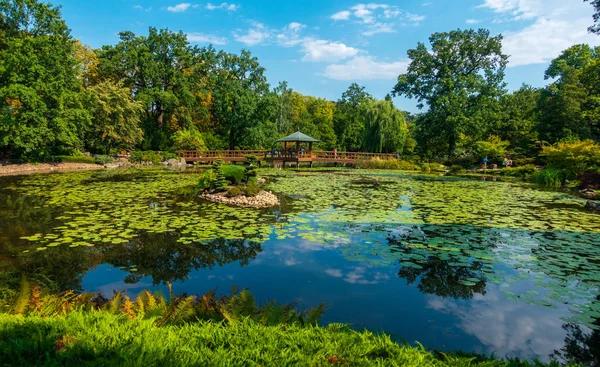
(103, 339)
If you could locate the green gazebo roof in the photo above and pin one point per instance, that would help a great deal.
(298, 137)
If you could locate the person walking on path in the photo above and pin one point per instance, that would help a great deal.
(485, 162)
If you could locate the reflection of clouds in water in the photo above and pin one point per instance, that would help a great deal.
(290, 261)
(211, 277)
(359, 275)
(336, 273)
(506, 327)
(107, 289)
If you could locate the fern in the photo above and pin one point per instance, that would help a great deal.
(127, 307)
(24, 298)
(114, 304)
(178, 312)
(314, 314)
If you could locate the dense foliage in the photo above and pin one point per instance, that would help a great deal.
(157, 92)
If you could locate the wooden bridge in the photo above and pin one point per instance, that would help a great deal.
(280, 158)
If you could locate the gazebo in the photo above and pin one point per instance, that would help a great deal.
(296, 156)
(298, 137)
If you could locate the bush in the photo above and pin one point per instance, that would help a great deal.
(235, 191)
(168, 155)
(523, 171)
(234, 174)
(73, 159)
(252, 189)
(206, 180)
(574, 157)
(378, 163)
(455, 169)
(188, 139)
(102, 159)
(549, 176)
(146, 156)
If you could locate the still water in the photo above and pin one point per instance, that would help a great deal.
(455, 264)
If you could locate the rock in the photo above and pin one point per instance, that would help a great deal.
(112, 165)
(262, 200)
(589, 194)
(592, 205)
(182, 162)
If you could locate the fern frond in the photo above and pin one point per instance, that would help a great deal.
(179, 311)
(114, 304)
(127, 307)
(22, 304)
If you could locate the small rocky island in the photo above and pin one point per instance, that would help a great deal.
(235, 185)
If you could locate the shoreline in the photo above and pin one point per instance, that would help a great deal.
(19, 169)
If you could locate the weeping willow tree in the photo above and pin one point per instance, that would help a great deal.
(385, 128)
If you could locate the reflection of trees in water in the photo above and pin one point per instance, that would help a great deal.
(438, 272)
(157, 255)
(440, 278)
(164, 259)
(580, 348)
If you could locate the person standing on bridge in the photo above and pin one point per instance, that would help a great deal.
(335, 153)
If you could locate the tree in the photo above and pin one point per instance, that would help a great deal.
(164, 73)
(570, 107)
(115, 117)
(517, 119)
(457, 79)
(348, 118)
(241, 97)
(385, 128)
(188, 139)
(596, 27)
(283, 116)
(41, 110)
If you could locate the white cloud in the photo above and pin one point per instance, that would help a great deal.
(341, 15)
(472, 21)
(366, 68)
(206, 38)
(255, 36)
(225, 6)
(378, 18)
(295, 26)
(321, 50)
(545, 40)
(551, 27)
(337, 273)
(140, 7)
(180, 8)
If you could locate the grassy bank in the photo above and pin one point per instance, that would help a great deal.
(104, 339)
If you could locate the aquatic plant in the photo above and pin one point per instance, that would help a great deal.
(522, 171)
(553, 177)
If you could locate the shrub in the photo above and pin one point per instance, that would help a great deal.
(235, 191)
(146, 156)
(455, 169)
(220, 183)
(234, 174)
(523, 171)
(250, 174)
(188, 139)
(206, 180)
(102, 159)
(574, 157)
(549, 176)
(168, 155)
(252, 189)
(378, 163)
(73, 159)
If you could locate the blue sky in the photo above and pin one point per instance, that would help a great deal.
(321, 47)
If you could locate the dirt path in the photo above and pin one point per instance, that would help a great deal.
(28, 168)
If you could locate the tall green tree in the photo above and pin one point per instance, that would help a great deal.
(41, 110)
(242, 100)
(385, 128)
(283, 115)
(570, 106)
(349, 120)
(164, 73)
(595, 28)
(115, 117)
(457, 80)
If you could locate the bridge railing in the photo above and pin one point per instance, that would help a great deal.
(240, 155)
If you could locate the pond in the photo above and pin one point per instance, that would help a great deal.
(453, 263)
